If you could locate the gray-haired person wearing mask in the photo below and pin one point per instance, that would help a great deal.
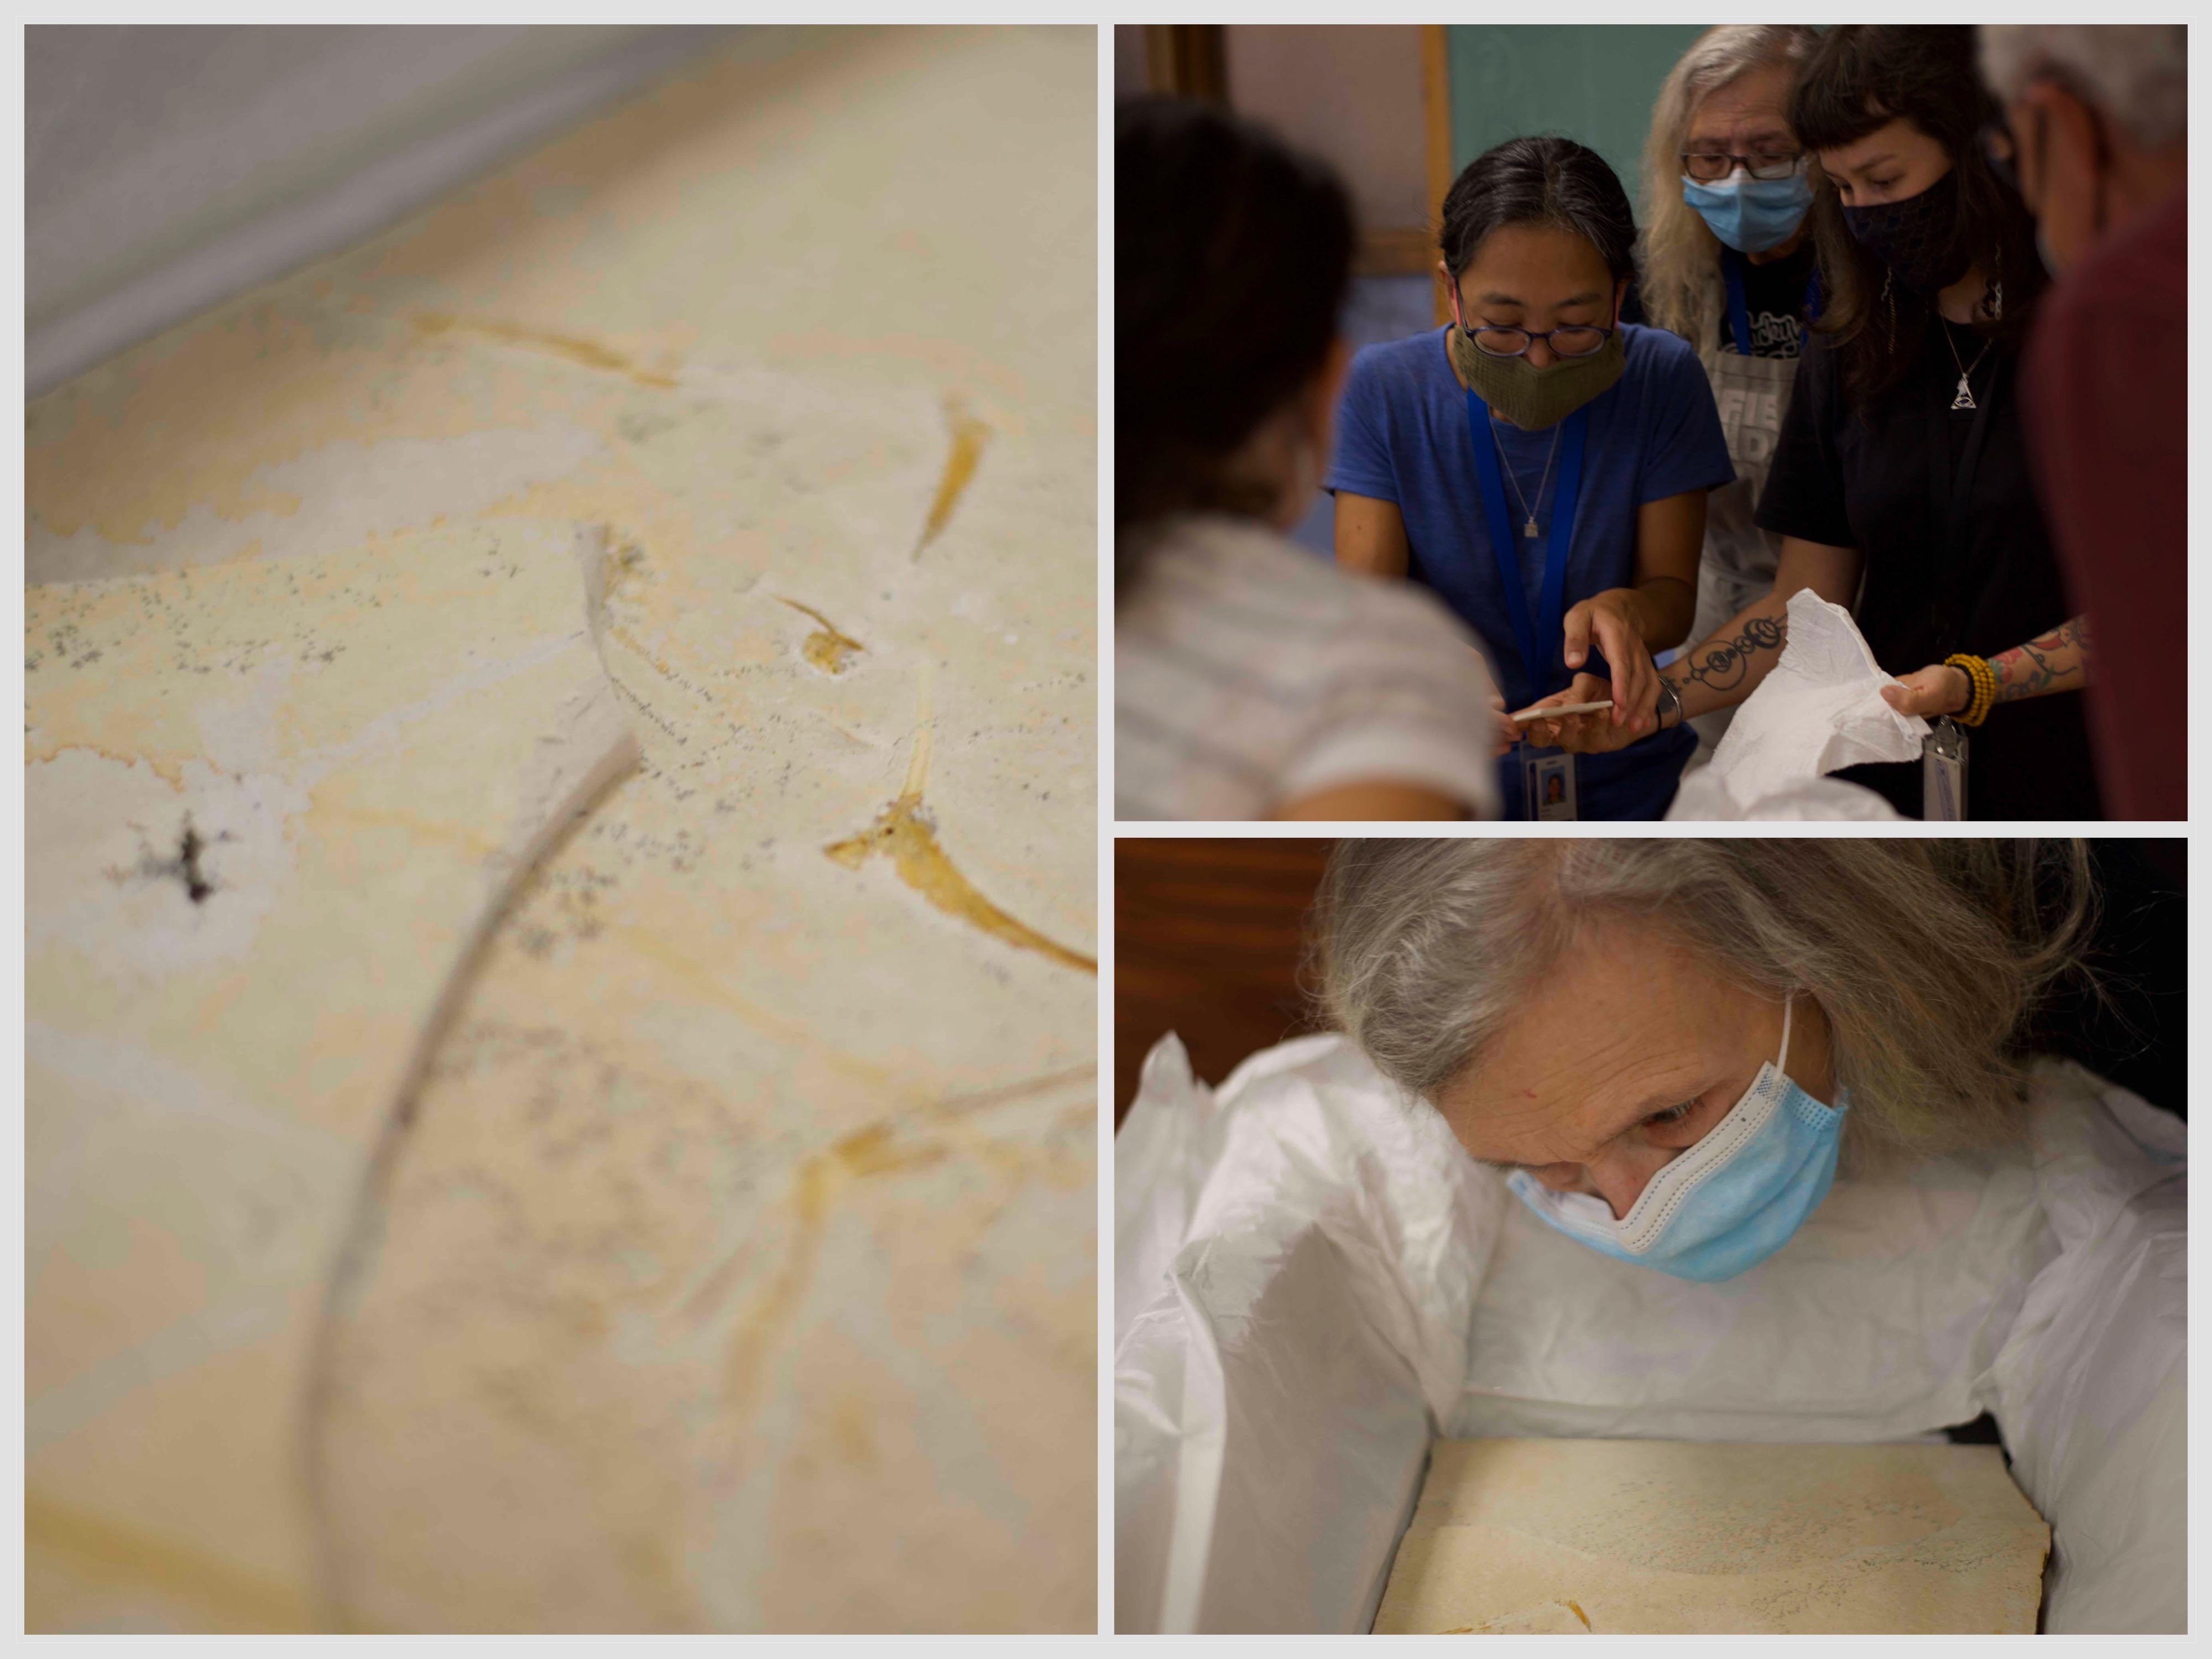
(1731, 1138)
(1726, 263)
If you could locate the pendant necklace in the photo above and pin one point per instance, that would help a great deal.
(1964, 399)
(1528, 529)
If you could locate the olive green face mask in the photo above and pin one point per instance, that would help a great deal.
(1534, 398)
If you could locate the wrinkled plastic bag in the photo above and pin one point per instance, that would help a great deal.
(1313, 1281)
(1819, 710)
(1703, 798)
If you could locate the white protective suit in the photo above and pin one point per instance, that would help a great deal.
(1313, 1280)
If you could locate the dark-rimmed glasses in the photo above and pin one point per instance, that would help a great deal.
(1583, 340)
(1710, 166)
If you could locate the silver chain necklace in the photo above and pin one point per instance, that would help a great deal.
(1529, 513)
(1964, 399)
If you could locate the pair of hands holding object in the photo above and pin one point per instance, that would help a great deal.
(1606, 618)
(1929, 692)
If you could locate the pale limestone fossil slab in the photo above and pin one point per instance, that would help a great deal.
(739, 1268)
(1607, 1536)
(270, 813)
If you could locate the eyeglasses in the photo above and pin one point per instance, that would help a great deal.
(1710, 167)
(1581, 341)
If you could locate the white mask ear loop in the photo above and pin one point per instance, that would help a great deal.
(1782, 1064)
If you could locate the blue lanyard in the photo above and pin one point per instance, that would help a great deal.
(1738, 313)
(1534, 660)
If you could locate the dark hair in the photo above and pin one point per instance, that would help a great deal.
(1232, 257)
(1862, 77)
(1540, 181)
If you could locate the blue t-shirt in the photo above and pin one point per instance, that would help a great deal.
(1403, 437)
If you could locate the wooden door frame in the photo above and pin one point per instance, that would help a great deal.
(1436, 120)
(1187, 60)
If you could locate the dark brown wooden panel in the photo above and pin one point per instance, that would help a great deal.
(1207, 937)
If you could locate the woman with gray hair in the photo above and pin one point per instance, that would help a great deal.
(1725, 261)
(1784, 1160)
(1695, 1034)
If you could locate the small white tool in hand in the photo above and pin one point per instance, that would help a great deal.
(1559, 708)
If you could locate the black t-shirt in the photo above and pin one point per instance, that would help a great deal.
(1880, 480)
(1773, 303)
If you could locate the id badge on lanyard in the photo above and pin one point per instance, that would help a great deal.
(1547, 785)
(1548, 778)
(1943, 773)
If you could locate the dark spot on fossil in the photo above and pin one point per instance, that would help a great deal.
(185, 868)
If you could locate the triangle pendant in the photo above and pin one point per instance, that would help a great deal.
(1965, 398)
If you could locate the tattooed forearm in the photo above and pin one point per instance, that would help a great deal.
(2056, 661)
(1721, 669)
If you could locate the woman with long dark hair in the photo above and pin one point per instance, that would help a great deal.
(1901, 485)
(1251, 679)
(1542, 465)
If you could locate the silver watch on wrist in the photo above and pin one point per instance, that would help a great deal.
(1669, 699)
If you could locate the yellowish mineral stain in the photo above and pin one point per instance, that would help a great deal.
(105, 1550)
(873, 1151)
(419, 828)
(615, 631)
(586, 354)
(652, 946)
(828, 649)
(904, 832)
(620, 568)
(1575, 1608)
(970, 434)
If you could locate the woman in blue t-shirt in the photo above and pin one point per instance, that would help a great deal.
(1538, 424)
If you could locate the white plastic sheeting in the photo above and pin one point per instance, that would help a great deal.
(1819, 711)
(1704, 798)
(1313, 1280)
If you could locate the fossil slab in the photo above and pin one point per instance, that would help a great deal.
(270, 811)
(1606, 1536)
(738, 1269)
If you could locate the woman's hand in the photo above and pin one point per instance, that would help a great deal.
(1611, 620)
(1580, 734)
(1930, 691)
(1507, 733)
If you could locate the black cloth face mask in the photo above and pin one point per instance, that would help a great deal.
(1916, 238)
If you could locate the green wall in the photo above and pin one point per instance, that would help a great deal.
(1593, 82)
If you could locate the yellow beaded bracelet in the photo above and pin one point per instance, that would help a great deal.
(1989, 698)
(1982, 687)
(1985, 690)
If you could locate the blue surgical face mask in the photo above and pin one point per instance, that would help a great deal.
(1724, 1205)
(1751, 215)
